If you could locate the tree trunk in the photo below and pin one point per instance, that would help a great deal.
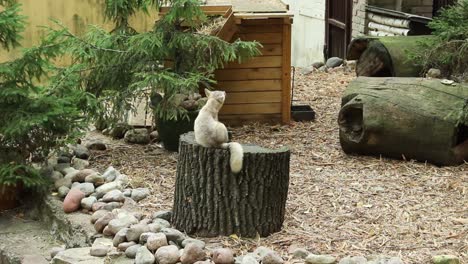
(408, 118)
(386, 56)
(211, 201)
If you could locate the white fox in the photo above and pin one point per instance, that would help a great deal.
(209, 132)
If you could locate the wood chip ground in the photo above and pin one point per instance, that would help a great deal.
(338, 204)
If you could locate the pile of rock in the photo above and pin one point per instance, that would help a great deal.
(92, 191)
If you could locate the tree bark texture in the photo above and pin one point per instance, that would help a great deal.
(410, 118)
(386, 56)
(211, 201)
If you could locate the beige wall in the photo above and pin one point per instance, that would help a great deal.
(75, 14)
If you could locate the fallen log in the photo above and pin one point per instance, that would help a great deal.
(386, 56)
(211, 201)
(410, 118)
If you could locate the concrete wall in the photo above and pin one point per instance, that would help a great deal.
(308, 31)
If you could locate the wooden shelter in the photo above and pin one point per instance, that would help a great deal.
(258, 90)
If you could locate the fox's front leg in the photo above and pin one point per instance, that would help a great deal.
(221, 134)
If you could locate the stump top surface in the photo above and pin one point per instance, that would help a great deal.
(248, 148)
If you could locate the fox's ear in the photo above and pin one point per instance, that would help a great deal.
(207, 92)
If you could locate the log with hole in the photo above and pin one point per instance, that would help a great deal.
(409, 118)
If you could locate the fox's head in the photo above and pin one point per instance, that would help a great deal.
(219, 96)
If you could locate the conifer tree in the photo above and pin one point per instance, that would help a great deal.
(39, 110)
(125, 65)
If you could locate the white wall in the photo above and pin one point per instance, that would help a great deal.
(308, 31)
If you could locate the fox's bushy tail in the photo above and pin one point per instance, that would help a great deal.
(237, 155)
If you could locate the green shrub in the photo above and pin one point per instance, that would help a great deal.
(449, 50)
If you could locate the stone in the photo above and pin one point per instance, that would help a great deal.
(130, 205)
(260, 252)
(63, 191)
(135, 231)
(95, 179)
(68, 172)
(131, 251)
(96, 145)
(55, 176)
(63, 159)
(434, 73)
(145, 221)
(396, 260)
(163, 223)
(192, 240)
(223, 256)
(102, 222)
(154, 136)
(123, 220)
(156, 241)
(123, 179)
(98, 206)
(323, 69)
(80, 164)
(79, 175)
(167, 255)
(81, 152)
(64, 182)
(192, 253)
(144, 237)
(55, 250)
(113, 196)
(119, 130)
(60, 166)
(307, 70)
(155, 228)
(334, 62)
(87, 188)
(124, 245)
(87, 203)
(189, 105)
(99, 251)
(111, 206)
(127, 192)
(107, 232)
(98, 214)
(318, 64)
(272, 258)
(300, 253)
(320, 259)
(446, 259)
(107, 187)
(120, 237)
(249, 259)
(137, 136)
(144, 256)
(110, 174)
(166, 215)
(76, 255)
(173, 235)
(140, 194)
(353, 260)
(72, 201)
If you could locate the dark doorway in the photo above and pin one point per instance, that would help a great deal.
(438, 4)
(338, 27)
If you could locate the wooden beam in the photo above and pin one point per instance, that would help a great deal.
(263, 15)
(249, 86)
(207, 9)
(286, 84)
(229, 29)
(258, 62)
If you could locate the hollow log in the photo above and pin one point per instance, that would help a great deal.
(386, 56)
(409, 118)
(211, 201)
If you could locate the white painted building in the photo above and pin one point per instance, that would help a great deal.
(308, 31)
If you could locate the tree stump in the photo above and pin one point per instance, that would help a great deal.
(211, 201)
(410, 118)
(386, 56)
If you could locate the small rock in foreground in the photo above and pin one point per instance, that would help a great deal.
(320, 259)
(72, 201)
(223, 256)
(144, 256)
(167, 255)
(446, 259)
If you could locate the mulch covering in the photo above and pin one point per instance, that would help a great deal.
(338, 204)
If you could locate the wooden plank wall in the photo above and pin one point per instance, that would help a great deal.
(259, 89)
